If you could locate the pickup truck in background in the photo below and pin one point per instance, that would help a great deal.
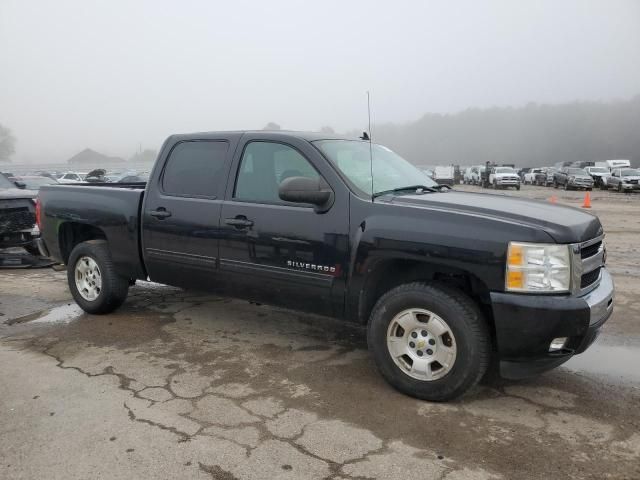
(504, 177)
(544, 178)
(17, 216)
(447, 283)
(623, 180)
(529, 177)
(572, 178)
(599, 175)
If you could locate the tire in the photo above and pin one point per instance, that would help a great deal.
(468, 335)
(555, 184)
(620, 187)
(603, 186)
(495, 185)
(112, 289)
(566, 186)
(517, 187)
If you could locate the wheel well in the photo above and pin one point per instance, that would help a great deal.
(71, 234)
(392, 273)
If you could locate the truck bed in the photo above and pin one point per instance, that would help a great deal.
(113, 209)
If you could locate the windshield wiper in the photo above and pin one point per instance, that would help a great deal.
(409, 189)
(439, 187)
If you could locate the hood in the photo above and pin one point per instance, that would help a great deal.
(581, 177)
(563, 224)
(11, 193)
(631, 177)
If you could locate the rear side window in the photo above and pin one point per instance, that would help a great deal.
(195, 169)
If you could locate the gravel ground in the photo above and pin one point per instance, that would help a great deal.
(189, 385)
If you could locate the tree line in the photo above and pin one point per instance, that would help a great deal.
(528, 136)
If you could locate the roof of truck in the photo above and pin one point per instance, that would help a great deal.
(308, 136)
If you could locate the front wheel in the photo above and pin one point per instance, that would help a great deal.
(427, 341)
(517, 187)
(92, 279)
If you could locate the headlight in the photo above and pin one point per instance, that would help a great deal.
(538, 267)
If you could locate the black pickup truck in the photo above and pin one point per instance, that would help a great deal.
(448, 283)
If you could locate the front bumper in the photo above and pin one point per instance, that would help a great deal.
(631, 186)
(526, 325)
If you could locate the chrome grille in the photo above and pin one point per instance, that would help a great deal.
(589, 260)
(590, 250)
(14, 219)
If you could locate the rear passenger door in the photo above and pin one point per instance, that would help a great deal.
(181, 211)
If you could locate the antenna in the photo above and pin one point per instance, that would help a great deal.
(368, 137)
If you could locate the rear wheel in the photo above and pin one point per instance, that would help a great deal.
(430, 342)
(620, 187)
(92, 279)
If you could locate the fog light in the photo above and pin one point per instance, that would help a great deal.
(557, 344)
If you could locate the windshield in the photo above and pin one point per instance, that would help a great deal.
(576, 171)
(598, 170)
(505, 170)
(630, 173)
(390, 171)
(5, 182)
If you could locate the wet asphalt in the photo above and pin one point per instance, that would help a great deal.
(190, 385)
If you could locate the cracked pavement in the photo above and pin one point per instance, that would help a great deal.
(181, 384)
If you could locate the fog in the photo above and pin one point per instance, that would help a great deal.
(116, 76)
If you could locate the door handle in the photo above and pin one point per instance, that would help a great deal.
(239, 222)
(161, 213)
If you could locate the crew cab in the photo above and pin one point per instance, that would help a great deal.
(504, 177)
(544, 177)
(447, 282)
(572, 178)
(624, 180)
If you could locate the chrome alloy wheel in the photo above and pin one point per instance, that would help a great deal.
(88, 278)
(421, 344)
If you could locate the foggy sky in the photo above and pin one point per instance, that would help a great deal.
(112, 75)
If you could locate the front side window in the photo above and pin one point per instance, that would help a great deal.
(356, 159)
(195, 169)
(264, 166)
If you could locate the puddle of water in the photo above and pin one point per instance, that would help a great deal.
(622, 363)
(61, 314)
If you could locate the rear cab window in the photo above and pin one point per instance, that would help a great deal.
(195, 168)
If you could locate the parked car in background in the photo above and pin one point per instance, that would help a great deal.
(545, 177)
(17, 216)
(522, 172)
(72, 177)
(444, 175)
(572, 178)
(529, 178)
(599, 175)
(504, 177)
(624, 180)
(33, 182)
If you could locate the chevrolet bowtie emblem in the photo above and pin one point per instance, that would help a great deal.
(421, 344)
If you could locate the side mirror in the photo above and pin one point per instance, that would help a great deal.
(20, 185)
(307, 190)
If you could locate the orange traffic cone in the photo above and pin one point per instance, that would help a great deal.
(587, 200)
(553, 199)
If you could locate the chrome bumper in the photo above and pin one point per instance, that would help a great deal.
(600, 300)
